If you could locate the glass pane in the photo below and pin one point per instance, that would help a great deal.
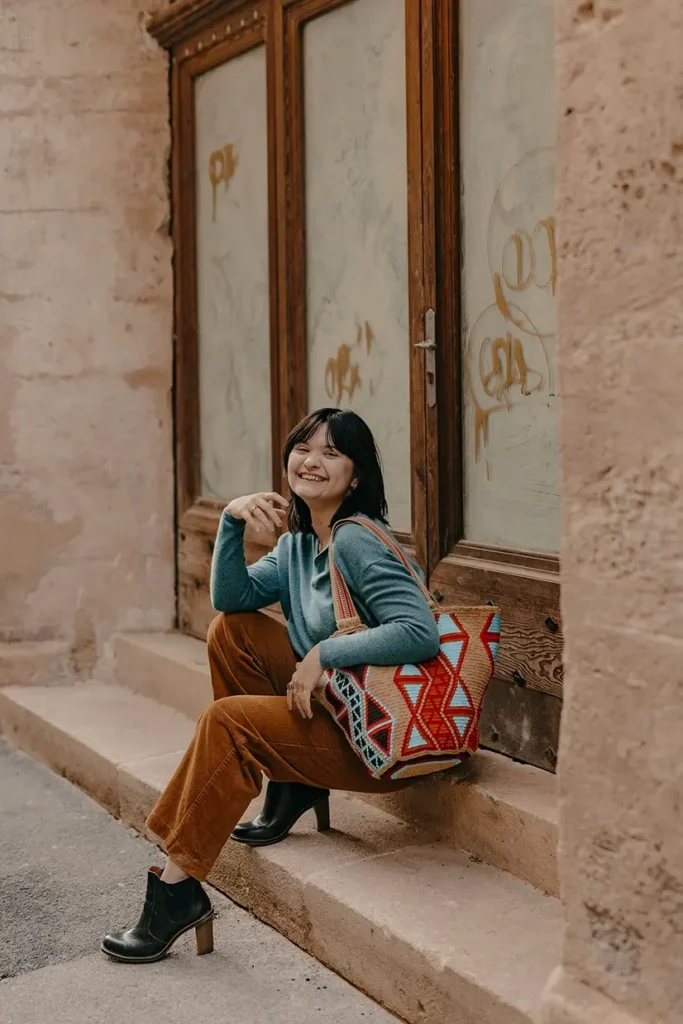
(232, 277)
(510, 316)
(357, 226)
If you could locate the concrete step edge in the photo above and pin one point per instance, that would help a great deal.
(503, 812)
(313, 890)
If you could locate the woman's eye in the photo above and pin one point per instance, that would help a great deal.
(330, 454)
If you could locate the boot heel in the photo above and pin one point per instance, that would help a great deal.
(322, 814)
(204, 936)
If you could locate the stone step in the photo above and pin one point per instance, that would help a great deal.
(427, 931)
(500, 811)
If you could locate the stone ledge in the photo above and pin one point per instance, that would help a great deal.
(423, 929)
(500, 811)
(170, 668)
(34, 662)
(84, 731)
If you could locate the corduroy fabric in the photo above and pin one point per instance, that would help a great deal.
(247, 731)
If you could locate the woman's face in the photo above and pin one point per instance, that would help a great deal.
(318, 473)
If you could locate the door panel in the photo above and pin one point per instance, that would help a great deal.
(226, 339)
(354, 245)
(354, 74)
(233, 323)
(511, 399)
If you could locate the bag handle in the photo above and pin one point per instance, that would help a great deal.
(345, 614)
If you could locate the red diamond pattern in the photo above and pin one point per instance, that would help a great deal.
(441, 706)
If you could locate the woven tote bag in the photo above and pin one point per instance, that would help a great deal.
(407, 720)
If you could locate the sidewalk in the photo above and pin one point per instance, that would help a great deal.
(69, 873)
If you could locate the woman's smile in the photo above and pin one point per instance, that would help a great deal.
(318, 473)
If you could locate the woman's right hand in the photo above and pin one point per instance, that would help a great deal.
(259, 510)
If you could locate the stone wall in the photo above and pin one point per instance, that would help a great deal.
(86, 477)
(620, 218)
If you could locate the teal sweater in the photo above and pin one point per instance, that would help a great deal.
(387, 598)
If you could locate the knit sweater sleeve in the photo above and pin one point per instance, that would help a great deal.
(406, 630)
(234, 586)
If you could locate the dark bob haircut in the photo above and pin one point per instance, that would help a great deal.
(351, 436)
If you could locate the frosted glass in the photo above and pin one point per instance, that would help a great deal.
(511, 421)
(356, 227)
(232, 277)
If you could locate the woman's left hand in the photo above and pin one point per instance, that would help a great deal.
(304, 681)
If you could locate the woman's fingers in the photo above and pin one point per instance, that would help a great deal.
(291, 687)
(249, 516)
(245, 508)
(270, 515)
(303, 700)
(259, 514)
(274, 496)
(305, 703)
(298, 698)
(273, 515)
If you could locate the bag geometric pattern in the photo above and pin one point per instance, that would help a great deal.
(407, 720)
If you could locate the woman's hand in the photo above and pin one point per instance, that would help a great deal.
(304, 681)
(259, 510)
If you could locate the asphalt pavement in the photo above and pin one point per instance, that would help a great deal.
(69, 873)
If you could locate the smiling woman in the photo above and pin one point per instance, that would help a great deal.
(333, 466)
(263, 720)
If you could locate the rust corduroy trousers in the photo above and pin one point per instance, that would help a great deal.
(247, 731)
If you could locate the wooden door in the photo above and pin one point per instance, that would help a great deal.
(493, 520)
(300, 183)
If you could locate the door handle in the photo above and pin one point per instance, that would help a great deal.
(429, 348)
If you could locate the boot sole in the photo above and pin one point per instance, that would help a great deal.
(260, 842)
(164, 952)
(275, 839)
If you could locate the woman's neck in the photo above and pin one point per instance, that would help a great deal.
(320, 521)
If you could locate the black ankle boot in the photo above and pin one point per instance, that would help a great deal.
(169, 911)
(284, 804)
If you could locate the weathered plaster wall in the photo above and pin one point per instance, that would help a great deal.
(620, 218)
(86, 490)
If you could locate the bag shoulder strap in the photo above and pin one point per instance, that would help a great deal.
(345, 613)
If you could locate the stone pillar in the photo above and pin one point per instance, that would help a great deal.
(86, 472)
(620, 222)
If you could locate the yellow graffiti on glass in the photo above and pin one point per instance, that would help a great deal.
(524, 245)
(222, 167)
(508, 367)
(342, 373)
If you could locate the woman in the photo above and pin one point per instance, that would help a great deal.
(263, 674)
